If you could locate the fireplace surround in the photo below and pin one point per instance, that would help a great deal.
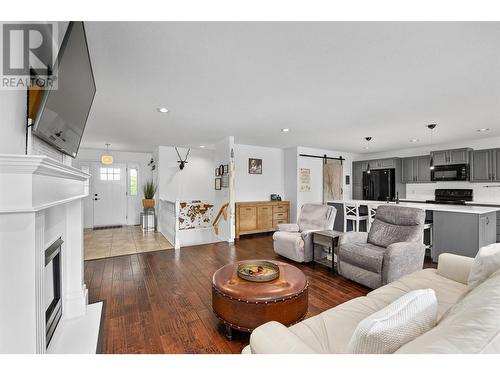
(53, 289)
(41, 230)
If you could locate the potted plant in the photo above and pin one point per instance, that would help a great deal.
(149, 190)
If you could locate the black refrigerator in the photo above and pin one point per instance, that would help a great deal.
(379, 185)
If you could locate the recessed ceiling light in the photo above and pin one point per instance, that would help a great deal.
(202, 146)
(285, 130)
(483, 130)
(413, 140)
(162, 110)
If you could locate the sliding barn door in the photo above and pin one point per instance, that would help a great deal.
(332, 180)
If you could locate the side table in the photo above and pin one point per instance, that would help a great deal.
(329, 239)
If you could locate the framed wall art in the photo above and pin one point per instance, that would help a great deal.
(254, 166)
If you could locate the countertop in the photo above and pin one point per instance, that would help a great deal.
(471, 203)
(470, 209)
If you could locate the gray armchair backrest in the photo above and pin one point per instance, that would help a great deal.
(316, 217)
(397, 224)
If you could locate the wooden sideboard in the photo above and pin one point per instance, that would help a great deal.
(260, 217)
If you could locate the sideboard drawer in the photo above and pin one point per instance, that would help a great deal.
(281, 208)
(280, 216)
(276, 222)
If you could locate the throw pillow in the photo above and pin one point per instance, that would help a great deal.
(486, 262)
(402, 321)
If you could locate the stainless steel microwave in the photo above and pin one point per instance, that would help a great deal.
(451, 172)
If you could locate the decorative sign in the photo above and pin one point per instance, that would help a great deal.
(305, 180)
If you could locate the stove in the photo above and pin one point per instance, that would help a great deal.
(452, 196)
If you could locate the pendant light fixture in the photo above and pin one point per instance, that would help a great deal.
(368, 139)
(431, 128)
(106, 158)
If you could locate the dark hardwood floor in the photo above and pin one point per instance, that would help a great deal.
(160, 302)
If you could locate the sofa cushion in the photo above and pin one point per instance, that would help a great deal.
(364, 255)
(471, 326)
(396, 324)
(396, 224)
(486, 262)
(331, 331)
(448, 292)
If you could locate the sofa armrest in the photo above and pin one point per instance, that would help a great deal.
(288, 227)
(454, 267)
(275, 338)
(353, 237)
(402, 258)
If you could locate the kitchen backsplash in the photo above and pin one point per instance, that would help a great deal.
(482, 193)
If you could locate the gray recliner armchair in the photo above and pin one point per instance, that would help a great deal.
(393, 248)
(294, 241)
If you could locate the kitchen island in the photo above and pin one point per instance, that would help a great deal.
(457, 229)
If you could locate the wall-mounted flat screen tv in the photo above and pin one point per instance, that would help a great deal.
(63, 112)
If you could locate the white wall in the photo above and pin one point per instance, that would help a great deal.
(255, 187)
(316, 167)
(483, 192)
(195, 181)
(222, 155)
(291, 180)
(131, 159)
(13, 122)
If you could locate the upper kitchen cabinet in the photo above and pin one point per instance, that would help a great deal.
(486, 165)
(416, 169)
(455, 156)
(423, 168)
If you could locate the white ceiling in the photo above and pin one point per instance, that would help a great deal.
(331, 83)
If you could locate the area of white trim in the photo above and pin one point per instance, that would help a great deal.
(40, 165)
(30, 183)
(79, 335)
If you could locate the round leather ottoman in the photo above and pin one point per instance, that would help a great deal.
(244, 305)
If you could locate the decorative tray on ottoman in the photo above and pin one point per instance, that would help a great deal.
(258, 271)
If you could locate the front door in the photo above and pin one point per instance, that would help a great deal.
(110, 194)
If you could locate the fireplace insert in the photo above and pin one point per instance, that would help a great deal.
(53, 302)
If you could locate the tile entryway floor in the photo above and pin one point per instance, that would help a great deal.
(104, 243)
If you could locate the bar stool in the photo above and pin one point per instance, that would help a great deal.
(372, 211)
(351, 213)
(428, 226)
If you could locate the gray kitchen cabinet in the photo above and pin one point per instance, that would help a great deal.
(357, 191)
(459, 156)
(357, 172)
(481, 165)
(385, 163)
(496, 165)
(416, 169)
(455, 156)
(423, 168)
(462, 233)
(440, 157)
(408, 175)
(485, 165)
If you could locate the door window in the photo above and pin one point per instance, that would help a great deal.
(133, 181)
(110, 174)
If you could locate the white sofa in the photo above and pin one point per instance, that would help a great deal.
(468, 320)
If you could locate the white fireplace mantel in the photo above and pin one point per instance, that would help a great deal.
(30, 183)
(40, 201)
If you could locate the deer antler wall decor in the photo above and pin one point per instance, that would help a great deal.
(182, 162)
